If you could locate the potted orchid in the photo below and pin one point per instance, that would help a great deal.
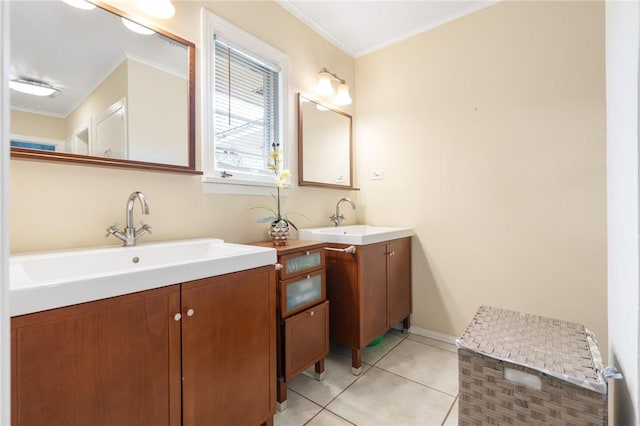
(279, 228)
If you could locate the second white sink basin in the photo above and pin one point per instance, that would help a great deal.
(54, 279)
(354, 234)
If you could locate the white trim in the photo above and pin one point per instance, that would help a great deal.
(5, 342)
(118, 107)
(446, 338)
(212, 24)
(242, 188)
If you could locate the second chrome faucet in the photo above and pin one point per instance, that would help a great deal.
(130, 234)
(337, 218)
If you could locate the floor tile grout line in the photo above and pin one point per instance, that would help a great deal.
(416, 382)
(362, 374)
(449, 412)
(329, 411)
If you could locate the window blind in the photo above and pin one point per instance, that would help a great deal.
(246, 110)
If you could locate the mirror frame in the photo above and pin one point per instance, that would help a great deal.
(30, 154)
(301, 180)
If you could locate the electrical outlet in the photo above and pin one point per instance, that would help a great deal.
(377, 175)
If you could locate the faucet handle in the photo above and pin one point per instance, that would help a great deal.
(111, 230)
(146, 227)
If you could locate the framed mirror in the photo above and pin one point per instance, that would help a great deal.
(114, 91)
(325, 147)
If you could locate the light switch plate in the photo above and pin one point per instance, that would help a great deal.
(377, 175)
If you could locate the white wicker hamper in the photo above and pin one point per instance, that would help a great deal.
(522, 369)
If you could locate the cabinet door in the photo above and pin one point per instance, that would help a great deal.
(399, 280)
(228, 349)
(108, 362)
(306, 339)
(343, 293)
(373, 292)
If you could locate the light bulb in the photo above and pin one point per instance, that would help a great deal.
(162, 9)
(324, 86)
(342, 95)
(137, 28)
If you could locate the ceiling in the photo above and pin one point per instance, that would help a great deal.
(75, 50)
(359, 27)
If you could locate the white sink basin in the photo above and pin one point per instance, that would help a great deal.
(54, 279)
(354, 234)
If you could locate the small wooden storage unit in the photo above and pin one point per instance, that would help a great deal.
(302, 312)
(521, 369)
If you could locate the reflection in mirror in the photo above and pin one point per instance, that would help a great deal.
(116, 97)
(324, 145)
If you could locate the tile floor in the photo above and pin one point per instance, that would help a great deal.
(405, 380)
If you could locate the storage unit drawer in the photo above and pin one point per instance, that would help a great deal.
(299, 263)
(306, 339)
(299, 293)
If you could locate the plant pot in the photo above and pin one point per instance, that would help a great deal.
(279, 232)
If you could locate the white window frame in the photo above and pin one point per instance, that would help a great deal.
(240, 183)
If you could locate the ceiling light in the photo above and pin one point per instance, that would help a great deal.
(33, 87)
(325, 87)
(80, 4)
(137, 28)
(162, 9)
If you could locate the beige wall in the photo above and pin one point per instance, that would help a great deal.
(152, 138)
(38, 125)
(55, 206)
(490, 131)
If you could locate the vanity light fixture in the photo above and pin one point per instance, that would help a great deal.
(80, 4)
(33, 87)
(162, 9)
(325, 87)
(137, 28)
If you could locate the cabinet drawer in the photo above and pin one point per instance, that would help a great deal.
(299, 263)
(306, 339)
(299, 293)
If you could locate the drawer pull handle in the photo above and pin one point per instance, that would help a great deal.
(350, 249)
(311, 313)
(177, 317)
(190, 312)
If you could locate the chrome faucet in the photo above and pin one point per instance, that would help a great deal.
(130, 233)
(337, 218)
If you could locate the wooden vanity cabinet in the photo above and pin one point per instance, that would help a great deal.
(201, 352)
(369, 291)
(110, 362)
(302, 312)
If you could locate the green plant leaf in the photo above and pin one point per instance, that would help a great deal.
(266, 219)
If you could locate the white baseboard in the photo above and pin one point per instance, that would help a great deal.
(433, 335)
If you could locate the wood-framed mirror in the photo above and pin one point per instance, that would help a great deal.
(325, 145)
(121, 98)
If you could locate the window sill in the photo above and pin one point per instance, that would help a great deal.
(212, 185)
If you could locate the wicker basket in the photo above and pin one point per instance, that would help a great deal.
(519, 369)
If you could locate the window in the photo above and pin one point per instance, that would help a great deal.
(243, 104)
